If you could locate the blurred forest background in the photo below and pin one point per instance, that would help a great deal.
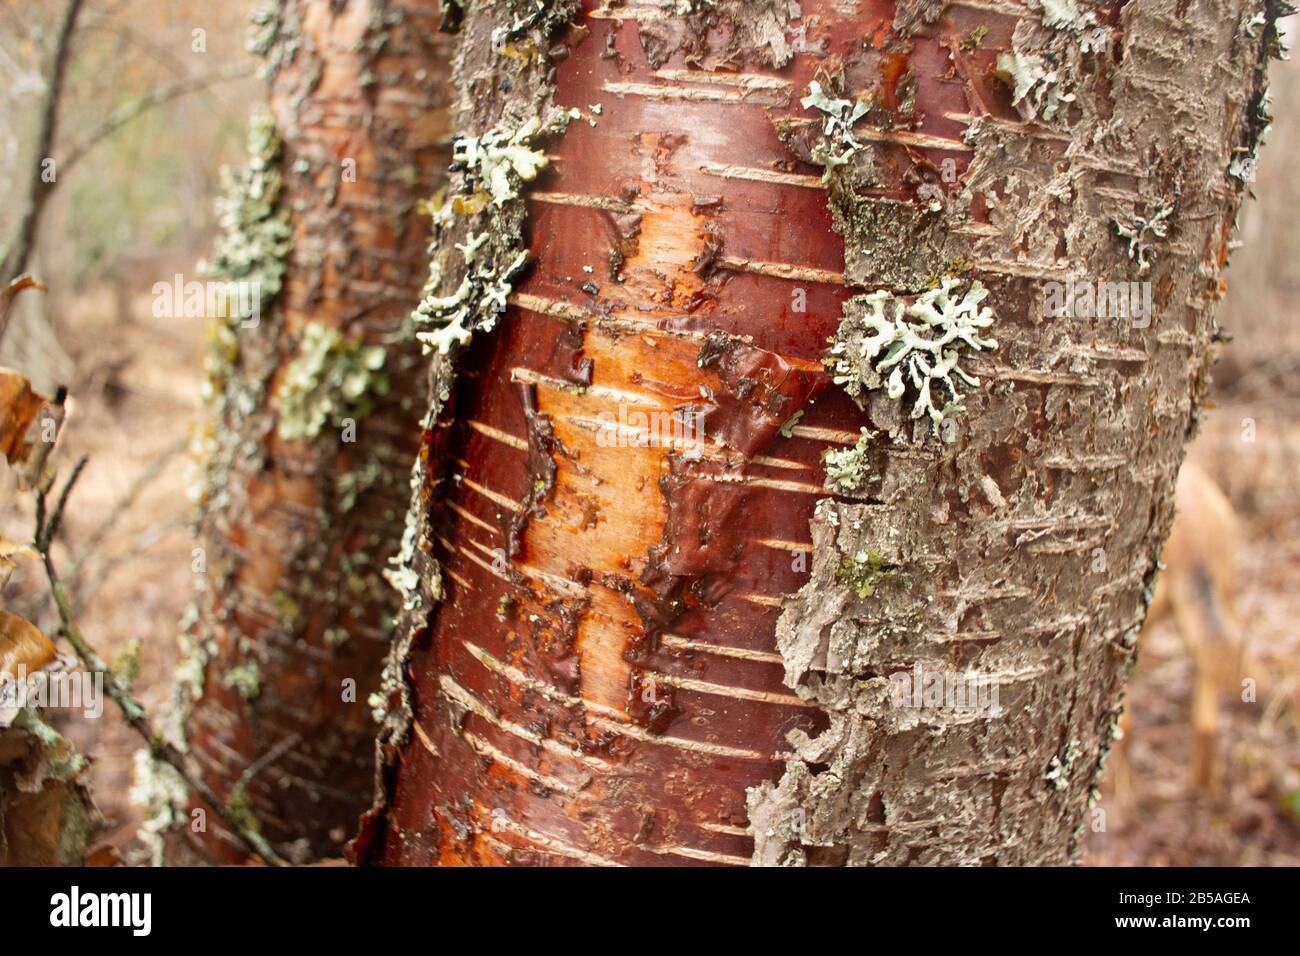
(137, 208)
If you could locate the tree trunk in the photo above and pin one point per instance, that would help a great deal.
(20, 249)
(313, 440)
(667, 602)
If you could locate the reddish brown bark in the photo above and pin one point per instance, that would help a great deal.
(646, 572)
(360, 87)
(602, 681)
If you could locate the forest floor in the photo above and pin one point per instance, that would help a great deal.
(1253, 819)
(136, 399)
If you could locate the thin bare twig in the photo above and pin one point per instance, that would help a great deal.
(20, 250)
(260, 764)
(85, 589)
(151, 472)
(47, 528)
(151, 100)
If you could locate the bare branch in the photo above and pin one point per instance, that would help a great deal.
(86, 589)
(20, 251)
(39, 192)
(48, 528)
(261, 763)
(149, 101)
(124, 504)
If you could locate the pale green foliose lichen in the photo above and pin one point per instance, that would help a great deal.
(501, 159)
(497, 163)
(787, 430)
(332, 379)
(1043, 73)
(274, 34)
(1058, 769)
(838, 143)
(251, 248)
(188, 679)
(351, 485)
(287, 610)
(860, 572)
(160, 790)
(847, 469)
(496, 166)
(255, 235)
(475, 305)
(1141, 233)
(245, 679)
(401, 572)
(60, 760)
(1035, 85)
(916, 345)
(1065, 14)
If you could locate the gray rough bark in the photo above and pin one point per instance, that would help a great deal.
(1027, 552)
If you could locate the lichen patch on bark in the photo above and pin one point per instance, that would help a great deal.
(608, 694)
(302, 485)
(504, 75)
(1114, 166)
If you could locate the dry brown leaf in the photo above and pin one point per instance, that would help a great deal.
(19, 406)
(19, 402)
(48, 817)
(9, 552)
(10, 292)
(24, 650)
(23, 644)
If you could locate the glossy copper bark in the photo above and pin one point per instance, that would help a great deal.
(360, 99)
(605, 692)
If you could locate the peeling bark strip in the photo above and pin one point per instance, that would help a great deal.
(617, 672)
(315, 418)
